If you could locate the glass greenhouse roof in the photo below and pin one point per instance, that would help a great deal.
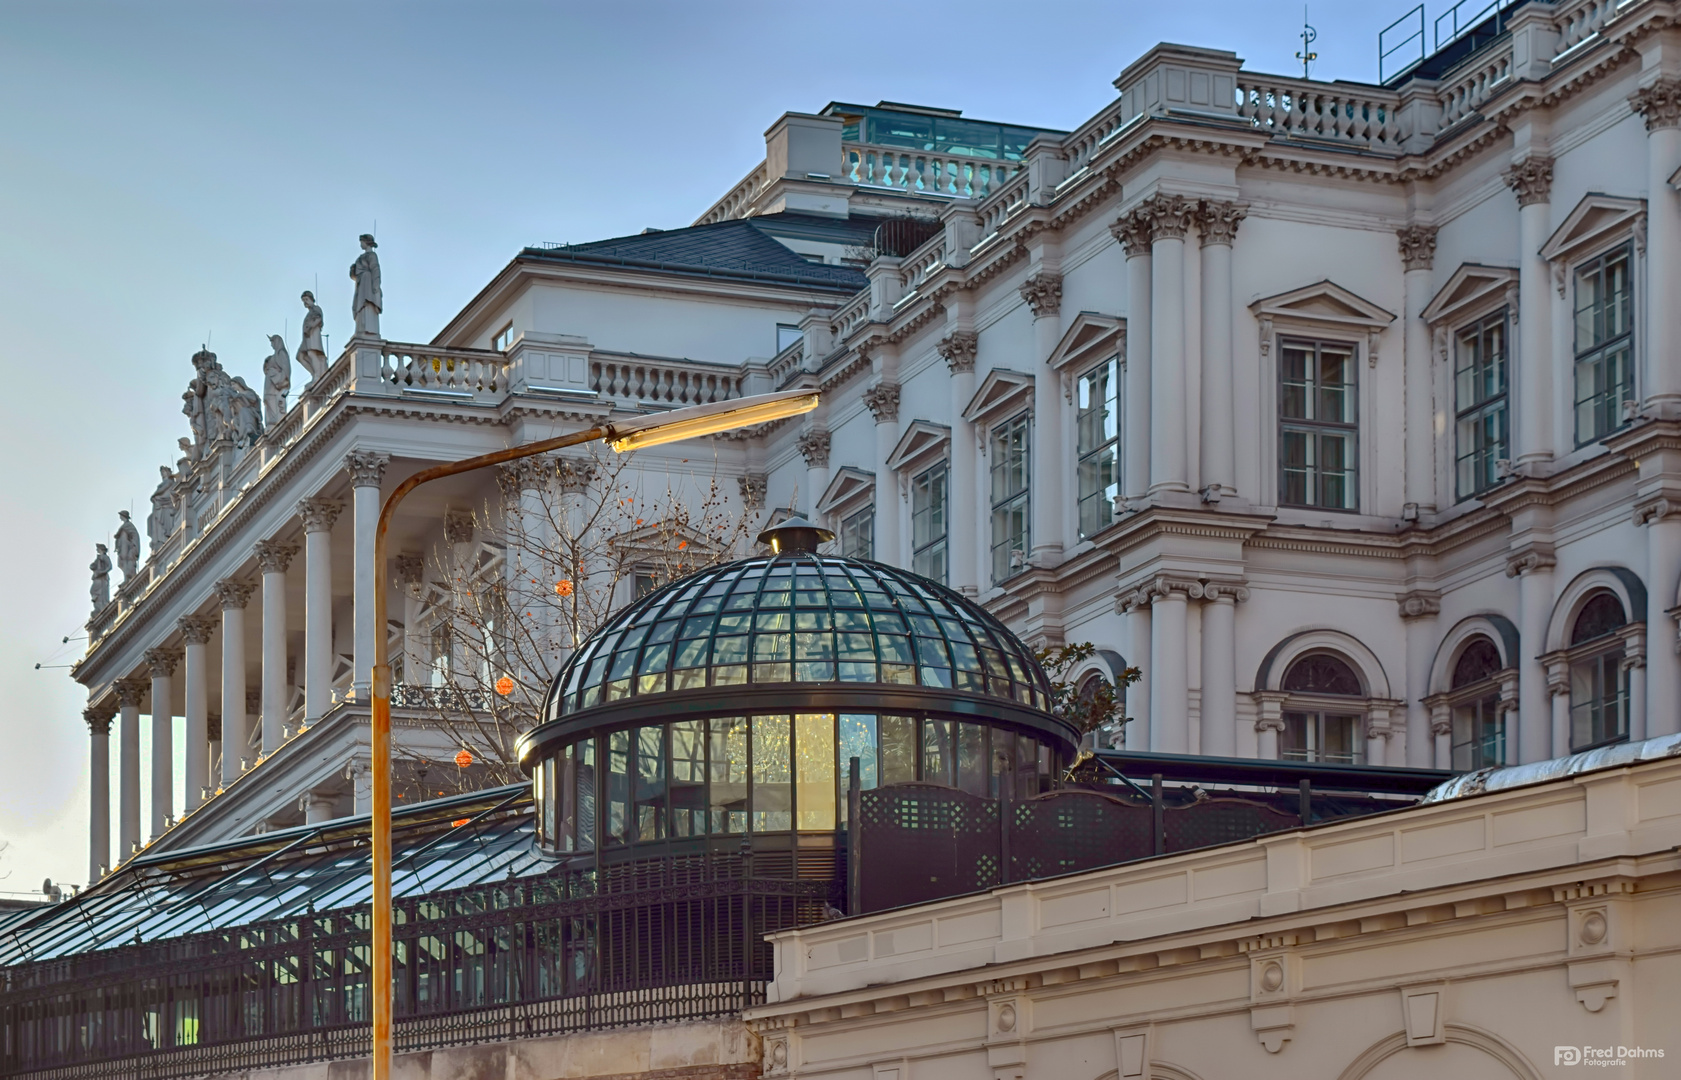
(799, 618)
(453, 843)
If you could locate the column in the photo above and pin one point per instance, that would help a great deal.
(233, 596)
(814, 448)
(273, 557)
(1441, 731)
(160, 664)
(361, 787)
(367, 471)
(1532, 180)
(1170, 219)
(882, 400)
(1043, 293)
(1217, 222)
(318, 517)
(98, 718)
(1269, 724)
(410, 568)
(1419, 609)
(1170, 677)
(963, 519)
(213, 739)
(1136, 607)
(195, 695)
(1558, 687)
(1133, 232)
(129, 692)
(1660, 103)
(1219, 667)
(1533, 568)
(1662, 715)
(1377, 734)
(1639, 704)
(1418, 255)
(317, 807)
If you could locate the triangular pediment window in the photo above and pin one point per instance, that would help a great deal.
(1597, 221)
(1472, 291)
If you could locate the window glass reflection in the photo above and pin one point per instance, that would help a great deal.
(814, 757)
(727, 772)
(772, 791)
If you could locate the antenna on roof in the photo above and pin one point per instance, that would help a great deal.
(1309, 36)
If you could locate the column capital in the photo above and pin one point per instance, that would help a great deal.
(98, 719)
(1419, 603)
(1659, 103)
(575, 474)
(1418, 246)
(1531, 179)
(1217, 221)
(1441, 714)
(1271, 715)
(524, 474)
(196, 629)
(161, 661)
(319, 514)
(814, 447)
(233, 595)
(1169, 216)
(1043, 293)
(1650, 511)
(213, 727)
(273, 556)
(753, 487)
(1225, 592)
(1132, 232)
(958, 350)
(1532, 558)
(458, 526)
(129, 692)
(366, 467)
(1163, 586)
(882, 400)
(410, 567)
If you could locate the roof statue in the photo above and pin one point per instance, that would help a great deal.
(161, 521)
(277, 379)
(100, 590)
(245, 417)
(369, 301)
(128, 547)
(312, 353)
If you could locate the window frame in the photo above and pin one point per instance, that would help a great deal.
(1114, 398)
(943, 541)
(1019, 500)
(847, 529)
(503, 338)
(1484, 407)
(1603, 348)
(1353, 474)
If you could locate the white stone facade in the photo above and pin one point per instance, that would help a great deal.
(1298, 565)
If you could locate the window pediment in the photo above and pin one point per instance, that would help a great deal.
(1472, 291)
(1090, 337)
(922, 441)
(848, 488)
(1324, 304)
(1596, 220)
(1002, 391)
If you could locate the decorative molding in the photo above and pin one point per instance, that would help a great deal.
(1217, 222)
(233, 595)
(161, 662)
(1418, 246)
(1215, 591)
(1531, 179)
(98, 720)
(1089, 338)
(1169, 216)
(366, 467)
(847, 491)
(882, 400)
(1132, 232)
(1472, 291)
(319, 514)
(753, 487)
(274, 556)
(814, 447)
(1324, 305)
(1659, 103)
(1593, 224)
(1419, 603)
(196, 629)
(921, 441)
(1043, 293)
(957, 349)
(1534, 557)
(1652, 510)
(1002, 390)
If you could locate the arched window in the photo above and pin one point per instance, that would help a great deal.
(1479, 719)
(1598, 677)
(1322, 718)
(1094, 695)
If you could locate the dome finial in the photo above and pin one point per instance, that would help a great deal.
(795, 534)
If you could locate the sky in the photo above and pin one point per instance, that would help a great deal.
(173, 174)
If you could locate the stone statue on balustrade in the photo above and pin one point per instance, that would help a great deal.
(192, 407)
(245, 413)
(100, 591)
(277, 379)
(312, 352)
(128, 547)
(369, 301)
(161, 521)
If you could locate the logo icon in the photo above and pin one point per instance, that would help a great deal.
(1567, 1055)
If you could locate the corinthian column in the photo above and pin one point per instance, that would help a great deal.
(1133, 232)
(1532, 180)
(195, 696)
(1660, 103)
(367, 472)
(98, 718)
(160, 665)
(1217, 222)
(1418, 254)
(814, 447)
(1043, 293)
(958, 348)
(882, 400)
(233, 596)
(272, 558)
(318, 517)
(1219, 667)
(1170, 219)
(129, 692)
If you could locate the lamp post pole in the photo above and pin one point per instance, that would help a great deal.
(669, 427)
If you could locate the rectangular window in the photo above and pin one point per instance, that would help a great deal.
(1011, 471)
(688, 778)
(650, 782)
(504, 337)
(789, 335)
(727, 768)
(772, 787)
(814, 763)
(618, 786)
(643, 582)
(1318, 736)
(858, 534)
(586, 795)
(928, 523)
(1482, 431)
(1317, 426)
(898, 749)
(1479, 734)
(1604, 344)
(1598, 701)
(1098, 445)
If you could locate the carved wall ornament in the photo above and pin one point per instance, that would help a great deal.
(1535, 557)
(1531, 179)
(1373, 336)
(753, 487)
(1213, 591)
(1043, 293)
(1441, 342)
(274, 556)
(366, 467)
(1655, 510)
(130, 692)
(410, 568)
(160, 662)
(958, 350)
(1170, 216)
(1132, 232)
(575, 475)
(814, 447)
(233, 595)
(1266, 335)
(195, 629)
(1217, 222)
(1659, 103)
(882, 400)
(1419, 603)
(458, 526)
(1418, 246)
(1561, 278)
(319, 514)
(98, 721)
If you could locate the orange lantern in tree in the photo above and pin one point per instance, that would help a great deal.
(563, 587)
(464, 758)
(504, 686)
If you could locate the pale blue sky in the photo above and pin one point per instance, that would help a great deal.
(175, 173)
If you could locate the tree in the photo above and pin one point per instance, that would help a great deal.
(1094, 705)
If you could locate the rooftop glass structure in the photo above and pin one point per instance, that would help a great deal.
(939, 130)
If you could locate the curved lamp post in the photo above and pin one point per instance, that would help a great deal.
(667, 427)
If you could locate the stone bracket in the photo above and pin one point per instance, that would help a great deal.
(1273, 1024)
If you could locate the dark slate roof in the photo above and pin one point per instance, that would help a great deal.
(743, 249)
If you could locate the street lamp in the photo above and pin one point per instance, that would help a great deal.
(644, 431)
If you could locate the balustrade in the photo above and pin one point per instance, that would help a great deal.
(1003, 204)
(1467, 90)
(923, 173)
(1576, 23)
(463, 372)
(739, 197)
(1336, 112)
(1084, 141)
(923, 262)
(637, 382)
(855, 314)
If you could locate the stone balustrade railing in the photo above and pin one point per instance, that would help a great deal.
(1003, 204)
(1083, 143)
(916, 267)
(849, 318)
(1360, 116)
(1580, 21)
(446, 699)
(634, 382)
(452, 372)
(1468, 88)
(924, 173)
(786, 364)
(742, 195)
